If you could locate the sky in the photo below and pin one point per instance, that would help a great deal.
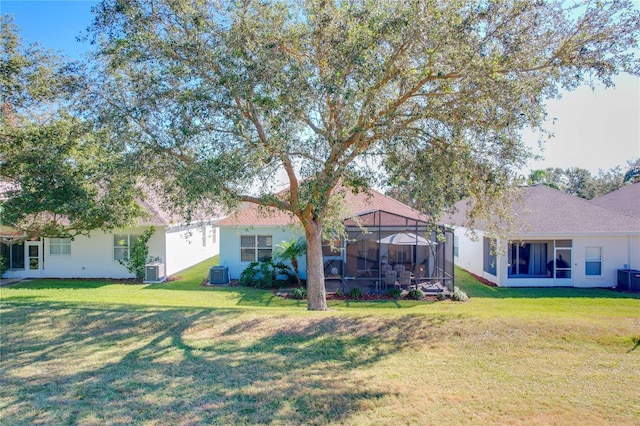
(595, 130)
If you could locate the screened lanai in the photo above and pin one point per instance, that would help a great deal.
(385, 250)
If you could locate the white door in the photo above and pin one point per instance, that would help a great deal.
(33, 264)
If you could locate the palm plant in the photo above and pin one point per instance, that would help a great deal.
(291, 250)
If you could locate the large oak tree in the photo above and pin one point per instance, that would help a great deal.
(221, 96)
(60, 176)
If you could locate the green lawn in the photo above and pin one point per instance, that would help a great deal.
(76, 352)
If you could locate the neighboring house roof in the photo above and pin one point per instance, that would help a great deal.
(254, 215)
(625, 200)
(544, 210)
(157, 210)
(5, 187)
(157, 215)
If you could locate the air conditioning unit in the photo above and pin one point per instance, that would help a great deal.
(333, 268)
(218, 275)
(154, 272)
(629, 279)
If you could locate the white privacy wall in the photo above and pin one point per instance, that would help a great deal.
(470, 253)
(185, 246)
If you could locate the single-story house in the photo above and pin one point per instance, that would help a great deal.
(372, 223)
(560, 240)
(177, 245)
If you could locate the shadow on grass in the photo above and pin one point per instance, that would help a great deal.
(66, 365)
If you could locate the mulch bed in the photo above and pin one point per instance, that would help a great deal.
(482, 280)
(330, 296)
(333, 296)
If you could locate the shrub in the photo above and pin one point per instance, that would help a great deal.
(4, 265)
(291, 251)
(248, 276)
(263, 274)
(459, 295)
(395, 293)
(299, 293)
(440, 296)
(355, 293)
(339, 292)
(267, 275)
(138, 256)
(415, 294)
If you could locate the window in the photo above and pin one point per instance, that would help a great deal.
(60, 247)
(489, 251)
(255, 247)
(529, 259)
(13, 255)
(593, 261)
(5, 256)
(456, 246)
(122, 245)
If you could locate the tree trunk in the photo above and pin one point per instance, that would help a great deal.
(316, 293)
(294, 264)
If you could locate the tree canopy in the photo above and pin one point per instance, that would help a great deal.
(60, 175)
(224, 95)
(582, 183)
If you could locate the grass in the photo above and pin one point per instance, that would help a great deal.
(76, 352)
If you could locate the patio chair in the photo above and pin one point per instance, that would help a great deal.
(385, 267)
(390, 279)
(404, 279)
(399, 267)
(419, 272)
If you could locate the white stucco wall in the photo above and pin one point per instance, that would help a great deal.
(185, 246)
(93, 256)
(230, 246)
(617, 251)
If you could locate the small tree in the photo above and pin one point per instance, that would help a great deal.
(139, 254)
(291, 250)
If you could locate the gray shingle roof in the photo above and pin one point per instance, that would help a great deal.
(625, 200)
(544, 210)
